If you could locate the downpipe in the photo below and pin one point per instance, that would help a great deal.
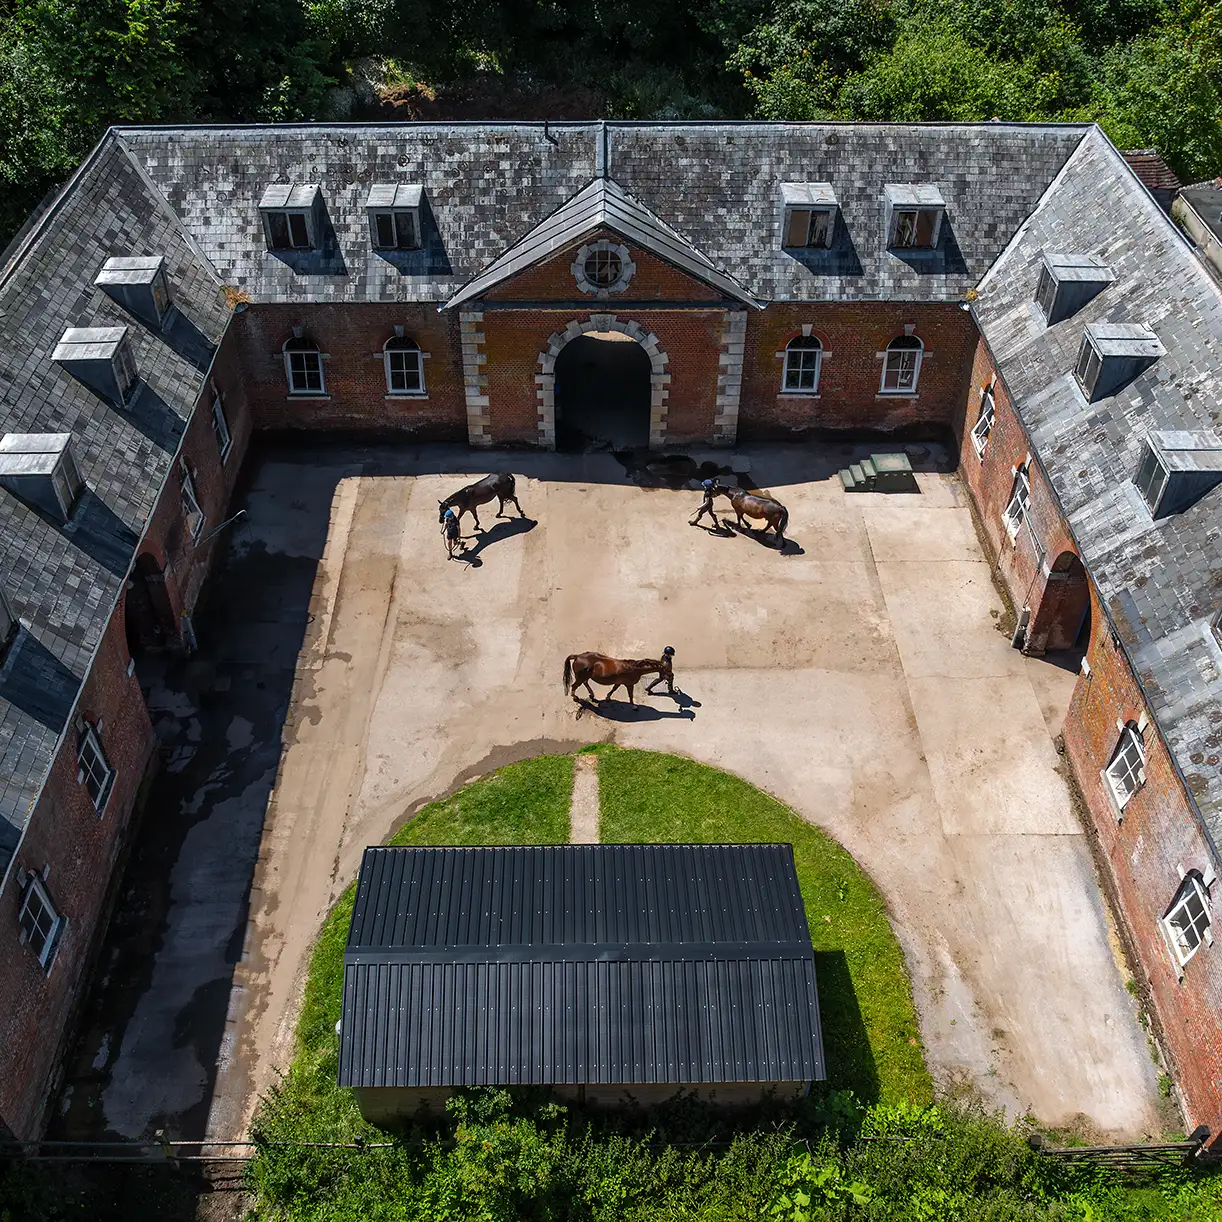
(1019, 637)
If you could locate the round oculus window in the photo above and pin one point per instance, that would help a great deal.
(603, 268)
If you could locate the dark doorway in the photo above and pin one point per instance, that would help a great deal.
(148, 617)
(602, 393)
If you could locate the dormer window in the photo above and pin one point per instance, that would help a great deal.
(914, 216)
(394, 216)
(1068, 282)
(8, 620)
(808, 215)
(1177, 468)
(291, 215)
(102, 358)
(1112, 355)
(39, 469)
(139, 285)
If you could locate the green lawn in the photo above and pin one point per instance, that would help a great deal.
(865, 1001)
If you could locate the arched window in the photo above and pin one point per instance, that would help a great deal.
(901, 366)
(303, 367)
(404, 366)
(803, 356)
(1126, 770)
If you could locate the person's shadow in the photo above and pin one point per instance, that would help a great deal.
(505, 529)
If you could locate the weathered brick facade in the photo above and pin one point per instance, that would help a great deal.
(1149, 847)
(75, 848)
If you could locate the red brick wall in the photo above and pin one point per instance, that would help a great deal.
(351, 338)
(1159, 832)
(553, 280)
(848, 396)
(1144, 852)
(82, 847)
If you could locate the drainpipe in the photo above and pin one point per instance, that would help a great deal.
(1019, 639)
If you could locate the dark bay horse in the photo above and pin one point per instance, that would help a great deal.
(580, 668)
(468, 499)
(747, 504)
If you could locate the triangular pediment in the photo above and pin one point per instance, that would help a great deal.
(602, 205)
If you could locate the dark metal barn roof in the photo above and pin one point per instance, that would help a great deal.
(579, 964)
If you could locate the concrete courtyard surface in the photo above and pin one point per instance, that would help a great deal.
(885, 706)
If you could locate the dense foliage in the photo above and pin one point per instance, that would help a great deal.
(1149, 70)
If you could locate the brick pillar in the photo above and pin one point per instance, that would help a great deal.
(730, 379)
(475, 379)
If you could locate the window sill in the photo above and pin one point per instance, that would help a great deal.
(897, 394)
(296, 396)
(799, 394)
(405, 394)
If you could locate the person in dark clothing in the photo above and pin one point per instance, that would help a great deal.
(450, 528)
(667, 672)
(709, 486)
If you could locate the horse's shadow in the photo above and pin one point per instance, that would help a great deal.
(621, 710)
(505, 529)
(792, 546)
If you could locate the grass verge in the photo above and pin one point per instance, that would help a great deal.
(870, 1032)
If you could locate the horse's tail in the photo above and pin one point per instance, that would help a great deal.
(568, 672)
(784, 522)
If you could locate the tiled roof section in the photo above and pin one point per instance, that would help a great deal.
(63, 581)
(718, 186)
(1161, 581)
(603, 204)
(485, 186)
(1157, 176)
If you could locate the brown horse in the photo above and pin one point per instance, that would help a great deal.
(468, 499)
(580, 668)
(745, 503)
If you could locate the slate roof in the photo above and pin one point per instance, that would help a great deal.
(602, 204)
(715, 185)
(63, 580)
(1161, 581)
(579, 964)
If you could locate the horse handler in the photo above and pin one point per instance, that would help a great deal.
(450, 528)
(667, 671)
(706, 506)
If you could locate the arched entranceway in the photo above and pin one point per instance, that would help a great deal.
(602, 393)
(148, 618)
(1062, 619)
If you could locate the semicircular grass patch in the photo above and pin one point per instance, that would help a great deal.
(870, 1034)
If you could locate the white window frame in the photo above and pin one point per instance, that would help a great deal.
(402, 344)
(904, 233)
(291, 374)
(984, 422)
(815, 225)
(1089, 361)
(802, 346)
(191, 508)
(220, 426)
(1191, 889)
(1019, 504)
(89, 741)
(900, 354)
(127, 377)
(34, 890)
(404, 224)
(1124, 775)
(269, 218)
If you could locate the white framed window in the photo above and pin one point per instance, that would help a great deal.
(220, 427)
(41, 925)
(394, 229)
(1126, 770)
(984, 424)
(192, 514)
(93, 771)
(1087, 368)
(404, 366)
(1020, 501)
(803, 359)
(1188, 920)
(902, 366)
(809, 227)
(126, 376)
(603, 267)
(288, 230)
(303, 367)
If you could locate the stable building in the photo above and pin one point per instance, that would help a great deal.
(613, 974)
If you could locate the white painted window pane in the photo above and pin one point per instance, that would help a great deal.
(38, 919)
(95, 772)
(220, 426)
(1127, 762)
(192, 512)
(984, 425)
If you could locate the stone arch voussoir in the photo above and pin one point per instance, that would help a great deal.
(659, 378)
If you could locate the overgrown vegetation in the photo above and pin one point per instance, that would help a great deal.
(502, 1156)
(1150, 71)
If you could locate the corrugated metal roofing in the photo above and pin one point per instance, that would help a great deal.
(579, 963)
(602, 204)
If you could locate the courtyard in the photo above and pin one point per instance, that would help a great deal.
(348, 674)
